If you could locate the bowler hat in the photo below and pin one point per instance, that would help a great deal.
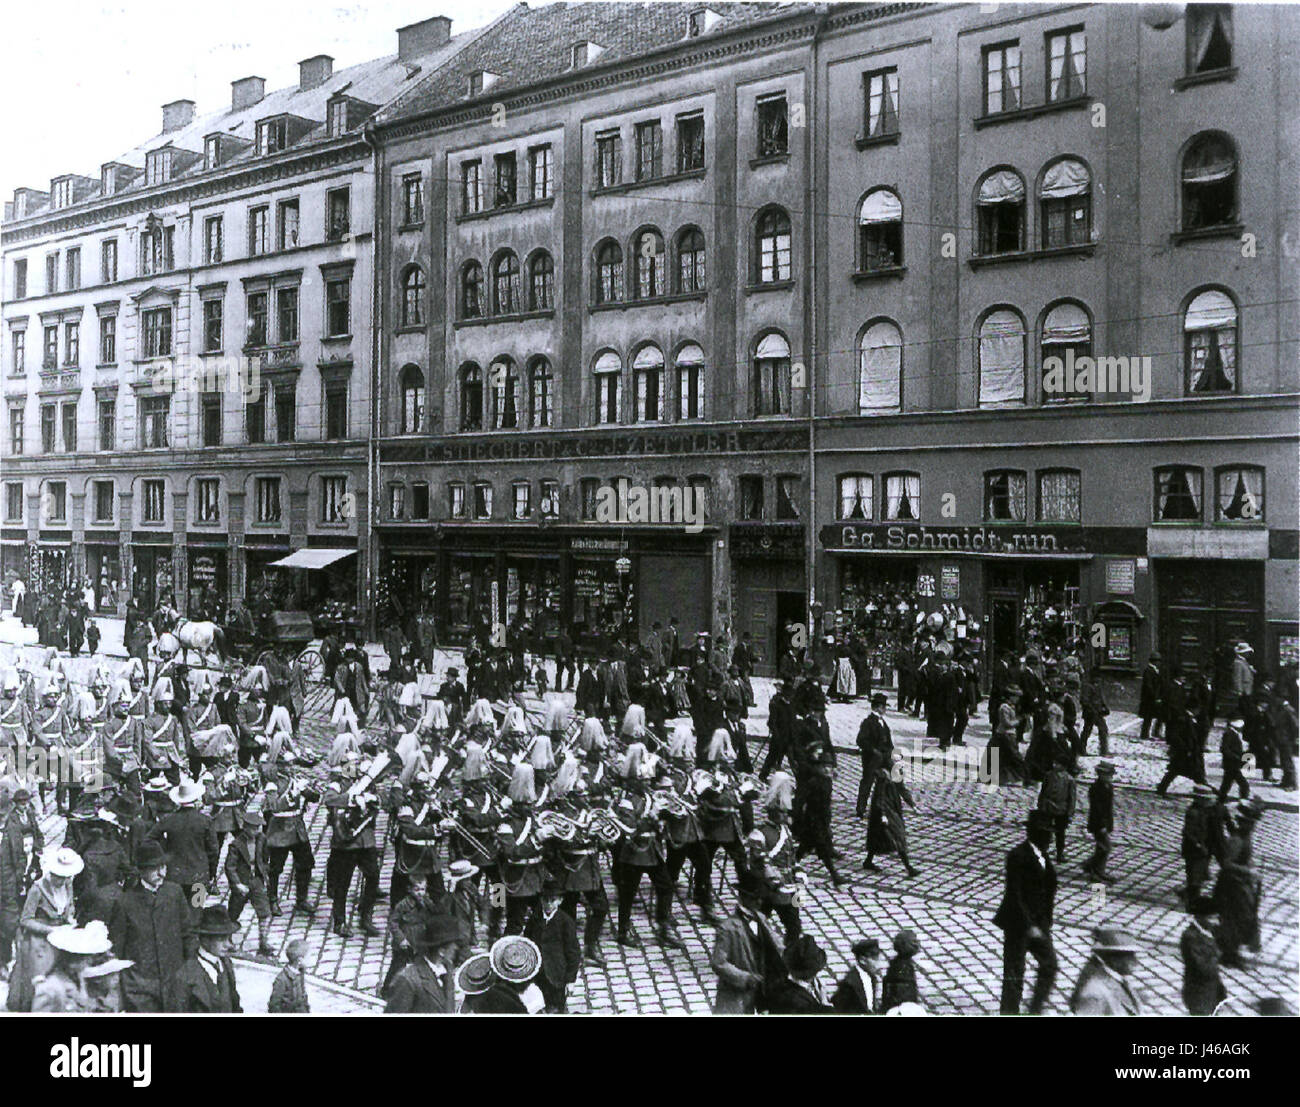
(475, 976)
(149, 855)
(215, 920)
(866, 947)
(440, 930)
(879, 699)
(1107, 767)
(803, 957)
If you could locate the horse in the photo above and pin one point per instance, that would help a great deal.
(186, 634)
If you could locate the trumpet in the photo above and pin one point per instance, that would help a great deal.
(671, 803)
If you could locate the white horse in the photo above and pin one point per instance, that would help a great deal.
(186, 634)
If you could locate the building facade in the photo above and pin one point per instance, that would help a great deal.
(187, 352)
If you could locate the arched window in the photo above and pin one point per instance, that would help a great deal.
(1067, 336)
(413, 297)
(608, 369)
(648, 265)
(690, 382)
(541, 282)
(1239, 494)
(1000, 212)
(1178, 494)
(1210, 342)
(772, 375)
(1005, 493)
(648, 377)
(902, 498)
(690, 260)
(609, 272)
(855, 497)
(471, 290)
(772, 246)
(412, 384)
(471, 397)
(505, 283)
(880, 375)
(1001, 353)
(503, 376)
(880, 231)
(1066, 199)
(1209, 182)
(540, 393)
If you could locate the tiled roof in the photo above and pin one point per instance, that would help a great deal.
(534, 44)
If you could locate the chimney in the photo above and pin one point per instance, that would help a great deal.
(177, 114)
(423, 38)
(314, 72)
(246, 92)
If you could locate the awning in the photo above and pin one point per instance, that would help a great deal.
(1066, 178)
(882, 206)
(311, 559)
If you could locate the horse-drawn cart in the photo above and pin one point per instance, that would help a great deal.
(279, 630)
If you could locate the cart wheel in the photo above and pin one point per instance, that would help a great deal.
(313, 666)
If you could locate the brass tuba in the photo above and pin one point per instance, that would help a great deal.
(556, 825)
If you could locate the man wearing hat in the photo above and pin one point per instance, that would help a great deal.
(876, 745)
(1203, 988)
(516, 961)
(191, 843)
(123, 739)
(476, 979)
(1151, 698)
(1201, 839)
(427, 986)
(800, 991)
(556, 934)
(152, 925)
(21, 845)
(246, 872)
(746, 955)
(1104, 987)
(206, 984)
(15, 715)
(1025, 917)
(780, 727)
(1234, 759)
(286, 833)
(1237, 887)
(858, 992)
(1243, 675)
(1101, 821)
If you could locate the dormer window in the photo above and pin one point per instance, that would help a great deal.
(158, 167)
(108, 180)
(338, 118)
(701, 21)
(211, 151)
(480, 81)
(272, 136)
(580, 54)
(61, 193)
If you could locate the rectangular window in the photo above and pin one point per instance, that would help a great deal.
(336, 410)
(881, 92)
(503, 170)
(154, 412)
(419, 500)
(287, 222)
(1001, 78)
(207, 500)
(690, 142)
(214, 239)
(396, 501)
(1004, 497)
(108, 261)
(521, 505)
(540, 173)
(338, 214)
(609, 159)
(690, 391)
(49, 428)
(108, 424)
(1059, 496)
(14, 502)
(153, 507)
(471, 187)
(74, 268)
(107, 339)
(62, 194)
(20, 353)
(751, 498)
(548, 505)
(286, 411)
(456, 500)
(158, 167)
(211, 152)
(268, 499)
(69, 428)
(16, 417)
(1240, 494)
(51, 273)
(1067, 65)
(210, 417)
(902, 498)
(272, 136)
(156, 251)
(71, 343)
(286, 314)
(20, 279)
(333, 493)
(787, 498)
(338, 307)
(50, 351)
(337, 118)
(412, 200)
(259, 231)
(157, 332)
(855, 496)
(773, 126)
(58, 500)
(482, 501)
(255, 419)
(257, 318)
(590, 491)
(213, 323)
(103, 501)
(649, 150)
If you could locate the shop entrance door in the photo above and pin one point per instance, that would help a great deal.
(1205, 608)
(791, 607)
(1003, 623)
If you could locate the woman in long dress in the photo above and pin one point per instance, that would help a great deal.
(844, 682)
(49, 904)
(63, 988)
(886, 830)
(1002, 757)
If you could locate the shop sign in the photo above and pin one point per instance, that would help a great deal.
(204, 569)
(1023, 541)
(603, 545)
(1120, 577)
(925, 584)
(951, 583)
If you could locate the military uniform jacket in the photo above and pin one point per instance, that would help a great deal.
(521, 860)
(124, 743)
(284, 820)
(719, 813)
(416, 847)
(779, 852)
(576, 864)
(478, 815)
(14, 722)
(50, 727)
(643, 846)
(164, 744)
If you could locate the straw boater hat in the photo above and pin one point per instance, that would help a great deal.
(780, 792)
(523, 788)
(61, 861)
(186, 794)
(515, 959)
(458, 871)
(90, 940)
(1111, 939)
(475, 976)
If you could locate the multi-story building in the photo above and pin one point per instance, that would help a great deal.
(816, 260)
(186, 358)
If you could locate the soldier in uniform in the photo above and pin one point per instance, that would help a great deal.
(286, 833)
(51, 732)
(724, 820)
(200, 716)
(520, 850)
(640, 852)
(247, 874)
(415, 847)
(575, 864)
(683, 834)
(250, 722)
(15, 719)
(164, 744)
(773, 855)
(478, 817)
(141, 708)
(353, 846)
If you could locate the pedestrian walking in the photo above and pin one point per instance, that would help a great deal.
(1101, 822)
(1104, 986)
(1203, 988)
(1025, 917)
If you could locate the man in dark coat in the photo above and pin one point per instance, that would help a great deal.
(191, 843)
(746, 955)
(556, 935)
(858, 990)
(1151, 697)
(877, 748)
(1203, 988)
(1025, 917)
(780, 728)
(152, 925)
(427, 986)
(205, 984)
(1101, 821)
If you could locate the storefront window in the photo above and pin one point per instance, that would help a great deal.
(104, 567)
(471, 580)
(207, 584)
(533, 593)
(602, 599)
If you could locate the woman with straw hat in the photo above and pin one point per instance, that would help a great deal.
(49, 905)
(63, 987)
